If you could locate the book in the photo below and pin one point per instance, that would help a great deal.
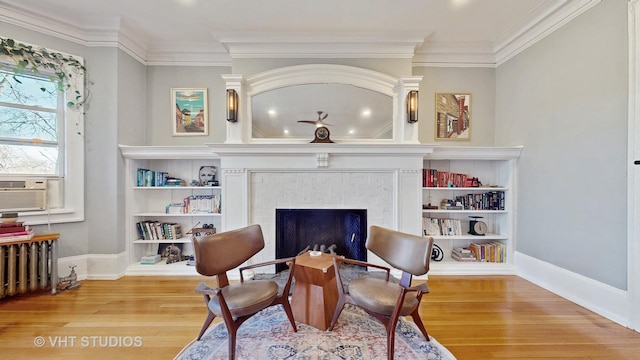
(22, 235)
(13, 229)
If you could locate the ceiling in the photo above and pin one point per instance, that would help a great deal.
(198, 32)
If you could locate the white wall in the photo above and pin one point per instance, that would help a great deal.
(565, 100)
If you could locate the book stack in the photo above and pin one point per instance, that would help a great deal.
(494, 251)
(15, 231)
(463, 254)
(437, 226)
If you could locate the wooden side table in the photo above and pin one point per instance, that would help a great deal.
(315, 293)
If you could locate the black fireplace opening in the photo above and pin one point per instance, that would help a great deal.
(342, 230)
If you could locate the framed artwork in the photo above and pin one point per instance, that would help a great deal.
(453, 116)
(190, 112)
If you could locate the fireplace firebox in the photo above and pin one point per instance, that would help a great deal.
(297, 229)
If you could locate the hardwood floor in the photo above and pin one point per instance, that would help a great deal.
(497, 317)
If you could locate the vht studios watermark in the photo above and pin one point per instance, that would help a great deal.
(88, 341)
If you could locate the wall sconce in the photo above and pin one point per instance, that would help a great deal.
(232, 105)
(412, 106)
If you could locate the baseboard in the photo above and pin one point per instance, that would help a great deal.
(603, 299)
(94, 266)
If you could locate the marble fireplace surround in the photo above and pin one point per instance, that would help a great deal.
(384, 179)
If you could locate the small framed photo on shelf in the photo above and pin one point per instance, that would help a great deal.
(453, 116)
(190, 112)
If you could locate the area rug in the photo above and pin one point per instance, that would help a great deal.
(357, 336)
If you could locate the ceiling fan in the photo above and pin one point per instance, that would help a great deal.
(318, 123)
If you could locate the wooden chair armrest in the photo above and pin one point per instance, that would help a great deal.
(202, 288)
(290, 262)
(337, 261)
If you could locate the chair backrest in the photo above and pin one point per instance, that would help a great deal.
(217, 253)
(407, 252)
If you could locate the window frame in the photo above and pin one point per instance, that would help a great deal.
(65, 192)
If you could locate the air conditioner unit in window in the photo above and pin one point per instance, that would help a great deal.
(23, 194)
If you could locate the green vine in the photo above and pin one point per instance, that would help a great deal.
(29, 58)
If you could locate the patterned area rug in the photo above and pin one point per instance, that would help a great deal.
(357, 336)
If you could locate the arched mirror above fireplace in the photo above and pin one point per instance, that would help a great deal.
(360, 105)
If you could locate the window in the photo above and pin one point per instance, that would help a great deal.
(42, 137)
(31, 119)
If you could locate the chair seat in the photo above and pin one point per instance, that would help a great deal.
(380, 296)
(246, 298)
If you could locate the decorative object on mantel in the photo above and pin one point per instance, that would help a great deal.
(190, 111)
(232, 105)
(453, 116)
(412, 106)
(322, 133)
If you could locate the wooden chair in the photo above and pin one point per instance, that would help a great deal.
(387, 301)
(235, 303)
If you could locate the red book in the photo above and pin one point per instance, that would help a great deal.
(4, 230)
(11, 224)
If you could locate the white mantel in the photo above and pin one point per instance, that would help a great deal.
(257, 179)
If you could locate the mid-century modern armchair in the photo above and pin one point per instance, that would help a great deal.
(385, 300)
(218, 253)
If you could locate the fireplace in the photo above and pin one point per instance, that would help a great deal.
(344, 231)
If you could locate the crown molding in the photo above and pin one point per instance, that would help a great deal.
(542, 23)
(455, 54)
(251, 45)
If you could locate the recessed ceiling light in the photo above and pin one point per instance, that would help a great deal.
(272, 112)
(366, 112)
(351, 131)
(286, 131)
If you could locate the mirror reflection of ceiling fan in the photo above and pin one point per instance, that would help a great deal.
(318, 123)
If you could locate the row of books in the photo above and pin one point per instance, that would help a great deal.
(155, 230)
(196, 204)
(146, 177)
(15, 231)
(494, 252)
(491, 200)
(437, 226)
(438, 178)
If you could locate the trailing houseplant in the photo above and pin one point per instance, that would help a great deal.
(67, 70)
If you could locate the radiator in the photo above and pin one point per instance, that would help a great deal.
(26, 266)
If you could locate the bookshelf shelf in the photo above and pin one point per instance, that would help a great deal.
(164, 215)
(470, 237)
(176, 187)
(480, 189)
(444, 211)
(184, 240)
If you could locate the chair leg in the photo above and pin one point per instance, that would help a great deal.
(391, 338)
(207, 322)
(232, 341)
(287, 310)
(419, 324)
(337, 313)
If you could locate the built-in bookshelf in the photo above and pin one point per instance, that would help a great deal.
(165, 201)
(461, 185)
